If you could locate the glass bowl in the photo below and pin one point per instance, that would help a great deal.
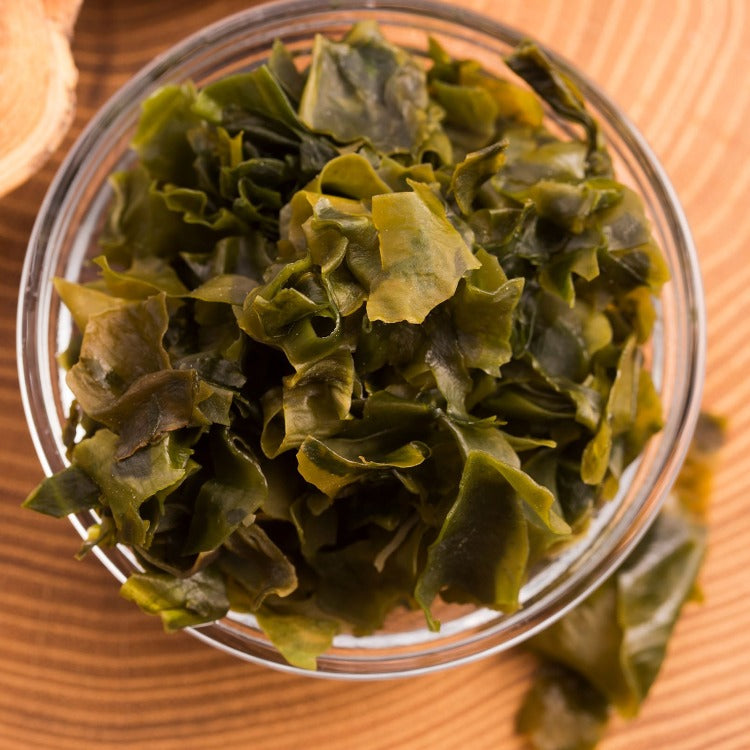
(64, 236)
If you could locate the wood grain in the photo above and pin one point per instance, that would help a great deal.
(79, 667)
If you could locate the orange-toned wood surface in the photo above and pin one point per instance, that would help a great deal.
(81, 668)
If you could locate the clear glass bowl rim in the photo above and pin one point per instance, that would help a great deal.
(680, 421)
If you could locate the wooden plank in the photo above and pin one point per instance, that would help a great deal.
(79, 667)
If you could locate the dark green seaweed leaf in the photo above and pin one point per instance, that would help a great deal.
(351, 176)
(161, 137)
(473, 171)
(68, 491)
(257, 565)
(235, 492)
(335, 464)
(180, 602)
(142, 279)
(153, 405)
(562, 711)
(481, 551)
(299, 638)
(282, 66)
(556, 88)
(84, 301)
(141, 225)
(423, 256)
(366, 88)
(257, 92)
(468, 108)
(483, 438)
(482, 311)
(127, 483)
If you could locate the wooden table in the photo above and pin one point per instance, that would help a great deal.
(82, 668)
